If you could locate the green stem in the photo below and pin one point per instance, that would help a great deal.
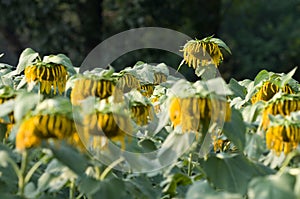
(110, 167)
(21, 182)
(190, 164)
(33, 169)
(72, 189)
(289, 157)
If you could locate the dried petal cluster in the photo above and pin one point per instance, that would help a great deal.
(193, 112)
(47, 75)
(200, 53)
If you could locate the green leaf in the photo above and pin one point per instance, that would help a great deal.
(174, 146)
(286, 78)
(141, 186)
(7, 107)
(88, 185)
(218, 86)
(238, 90)
(25, 102)
(232, 172)
(110, 188)
(26, 59)
(70, 157)
(221, 44)
(60, 59)
(261, 76)
(272, 187)
(255, 146)
(175, 180)
(203, 190)
(235, 129)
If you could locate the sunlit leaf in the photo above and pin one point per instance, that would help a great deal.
(26, 58)
(60, 59)
(272, 187)
(203, 190)
(232, 172)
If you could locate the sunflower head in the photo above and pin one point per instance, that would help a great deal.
(175, 112)
(141, 113)
(127, 82)
(91, 86)
(147, 90)
(283, 138)
(49, 76)
(42, 127)
(268, 90)
(194, 112)
(283, 106)
(202, 52)
(111, 125)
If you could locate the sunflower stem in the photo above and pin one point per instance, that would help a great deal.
(21, 176)
(190, 164)
(72, 189)
(289, 157)
(110, 167)
(33, 169)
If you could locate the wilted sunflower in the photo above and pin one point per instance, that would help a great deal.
(47, 75)
(41, 127)
(268, 90)
(280, 106)
(86, 86)
(141, 114)
(147, 90)
(159, 78)
(283, 138)
(202, 52)
(193, 112)
(113, 126)
(128, 82)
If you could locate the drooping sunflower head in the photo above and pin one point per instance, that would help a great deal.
(194, 112)
(127, 82)
(141, 113)
(91, 86)
(42, 127)
(159, 78)
(147, 90)
(284, 106)
(268, 90)
(202, 52)
(49, 76)
(283, 138)
(110, 125)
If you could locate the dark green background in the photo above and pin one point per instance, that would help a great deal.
(262, 34)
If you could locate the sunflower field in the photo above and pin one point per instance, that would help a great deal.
(145, 132)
